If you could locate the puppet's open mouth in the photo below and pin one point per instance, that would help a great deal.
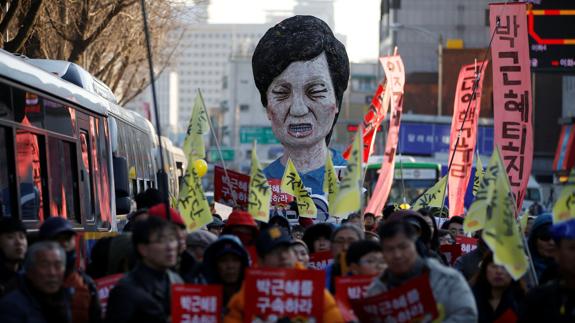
(300, 130)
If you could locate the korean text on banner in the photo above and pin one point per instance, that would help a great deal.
(395, 74)
(512, 93)
(293, 185)
(192, 202)
(564, 208)
(104, 285)
(467, 95)
(432, 197)
(194, 147)
(372, 120)
(260, 191)
(350, 288)
(330, 181)
(412, 301)
(284, 293)
(196, 303)
(475, 218)
(501, 231)
(320, 260)
(238, 184)
(348, 199)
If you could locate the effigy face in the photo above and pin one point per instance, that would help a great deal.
(302, 104)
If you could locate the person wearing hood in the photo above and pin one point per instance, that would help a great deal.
(242, 225)
(542, 248)
(13, 246)
(85, 303)
(274, 251)
(224, 264)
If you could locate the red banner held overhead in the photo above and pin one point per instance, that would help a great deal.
(512, 93)
(395, 75)
(279, 197)
(196, 303)
(350, 288)
(460, 170)
(467, 244)
(320, 260)
(451, 252)
(104, 285)
(284, 294)
(372, 121)
(238, 184)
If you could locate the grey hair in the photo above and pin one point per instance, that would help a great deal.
(37, 247)
(348, 226)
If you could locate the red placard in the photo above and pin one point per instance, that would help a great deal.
(451, 252)
(196, 303)
(512, 102)
(278, 197)
(104, 285)
(467, 244)
(239, 185)
(351, 287)
(275, 294)
(320, 260)
(412, 301)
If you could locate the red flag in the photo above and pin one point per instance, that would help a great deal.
(460, 170)
(371, 121)
(395, 74)
(512, 93)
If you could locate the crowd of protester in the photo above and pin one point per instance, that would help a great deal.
(42, 282)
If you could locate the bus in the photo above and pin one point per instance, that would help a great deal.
(67, 149)
(410, 180)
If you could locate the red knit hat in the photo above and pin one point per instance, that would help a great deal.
(159, 210)
(239, 217)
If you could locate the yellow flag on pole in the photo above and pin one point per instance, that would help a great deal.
(330, 181)
(348, 198)
(192, 203)
(293, 185)
(475, 217)
(479, 172)
(260, 191)
(432, 197)
(198, 126)
(501, 231)
(564, 208)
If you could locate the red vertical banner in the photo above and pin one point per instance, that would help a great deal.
(196, 303)
(460, 170)
(280, 294)
(395, 75)
(512, 93)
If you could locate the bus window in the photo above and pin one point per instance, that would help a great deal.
(58, 118)
(63, 180)
(86, 176)
(6, 102)
(101, 173)
(6, 189)
(30, 173)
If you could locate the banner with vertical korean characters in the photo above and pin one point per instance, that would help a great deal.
(196, 303)
(512, 93)
(395, 75)
(279, 294)
(467, 95)
(348, 288)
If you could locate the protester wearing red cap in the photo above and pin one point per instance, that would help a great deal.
(242, 225)
(159, 210)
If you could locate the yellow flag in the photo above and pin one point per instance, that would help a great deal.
(475, 217)
(348, 198)
(501, 232)
(260, 191)
(192, 203)
(330, 180)
(198, 126)
(523, 220)
(479, 172)
(432, 197)
(293, 185)
(564, 208)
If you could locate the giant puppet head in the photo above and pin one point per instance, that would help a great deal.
(301, 71)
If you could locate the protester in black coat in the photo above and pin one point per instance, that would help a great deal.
(13, 245)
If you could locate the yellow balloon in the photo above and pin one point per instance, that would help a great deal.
(201, 167)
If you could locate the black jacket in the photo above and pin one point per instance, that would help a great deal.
(142, 296)
(510, 300)
(552, 302)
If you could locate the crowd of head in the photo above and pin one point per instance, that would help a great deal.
(43, 282)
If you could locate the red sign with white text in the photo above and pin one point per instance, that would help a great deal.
(451, 252)
(236, 190)
(278, 197)
(320, 260)
(464, 120)
(196, 303)
(277, 294)
(413, 301)
(104, 285)
(395, 74)
(512, 102)
(348, 288)
(467, 244)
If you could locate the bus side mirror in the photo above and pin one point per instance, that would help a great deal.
(121, 185)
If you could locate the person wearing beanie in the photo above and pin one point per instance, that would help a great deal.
(274, 250)
(301, 252)
(216, 226)
(542, 248)
(317, 237)
(85, 303)
(242, 225)
(13, 246)
(192, 258)
(365, 257)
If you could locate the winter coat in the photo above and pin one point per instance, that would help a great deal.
(511, 300)
(468, 264)
(143, 295)
(451, 292)
(552, 302)
(85, 303)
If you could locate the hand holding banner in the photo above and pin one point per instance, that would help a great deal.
(260, 191)
(293, 185)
